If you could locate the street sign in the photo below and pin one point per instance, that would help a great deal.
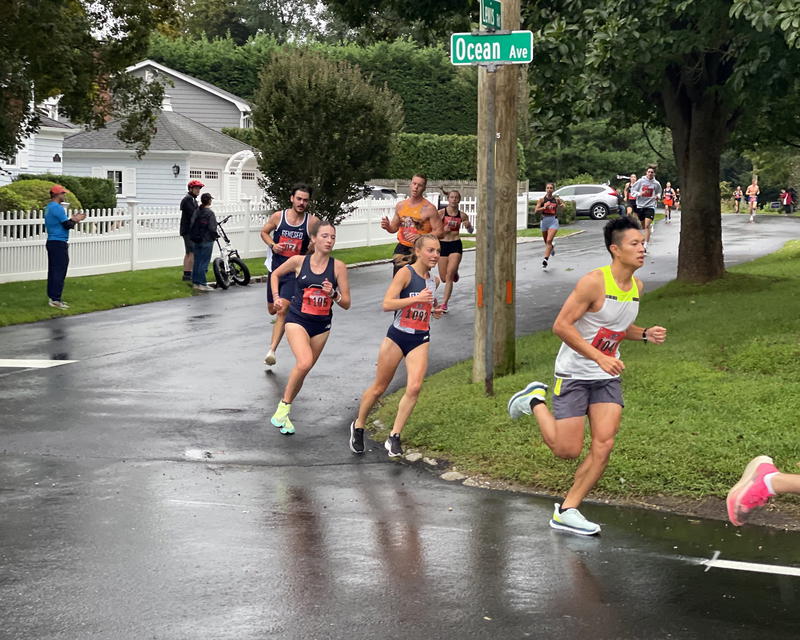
(508, 48)
(490, 14)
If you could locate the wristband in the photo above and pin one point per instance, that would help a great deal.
(644, 335)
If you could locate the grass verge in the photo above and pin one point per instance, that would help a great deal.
(721, 390)
(27, 301)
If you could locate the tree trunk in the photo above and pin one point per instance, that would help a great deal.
(700, 125)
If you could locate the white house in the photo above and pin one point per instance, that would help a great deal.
(182, 149)
(42, 152)
(197, 99)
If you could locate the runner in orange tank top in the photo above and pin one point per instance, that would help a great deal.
(413, 217)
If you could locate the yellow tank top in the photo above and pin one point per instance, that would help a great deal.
(411, 223)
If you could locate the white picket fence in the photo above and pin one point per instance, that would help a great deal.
(143, 237)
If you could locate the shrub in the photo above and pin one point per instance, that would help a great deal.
(440, 157)
(35, 194)
(248, 136)
(94, 193)
(11, 201)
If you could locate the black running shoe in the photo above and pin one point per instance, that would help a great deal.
(544, 263)
(392, 445)
(356, 438)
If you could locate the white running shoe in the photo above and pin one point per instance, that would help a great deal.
(572, 520)
(58, 304)
(270, 359)
(520, 403)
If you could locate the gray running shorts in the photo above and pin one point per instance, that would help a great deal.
(571, 398)
(549, 222)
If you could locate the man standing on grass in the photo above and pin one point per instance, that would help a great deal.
(597, 316)
(286, 234)
(58, 225)
(413, 217)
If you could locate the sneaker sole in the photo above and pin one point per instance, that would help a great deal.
(352, 448)
(388, 448)
(564, 527)
(280, 425)
(270, 360)
(736, 490)
(519, 394)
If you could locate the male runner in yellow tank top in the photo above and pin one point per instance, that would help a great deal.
(413, 217)
(596, 317)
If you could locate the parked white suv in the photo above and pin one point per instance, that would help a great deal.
(594, 200)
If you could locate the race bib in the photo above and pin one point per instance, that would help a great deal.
(316, 302)
(452, 224)
(607, 341)
(550, 208)
(294, 246)
(416, 316)
(647, 192)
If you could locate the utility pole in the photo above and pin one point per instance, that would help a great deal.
(495, 324)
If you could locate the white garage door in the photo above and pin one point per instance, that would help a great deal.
(212, 178)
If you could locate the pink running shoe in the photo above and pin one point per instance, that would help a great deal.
(751, 490)
(444, 308)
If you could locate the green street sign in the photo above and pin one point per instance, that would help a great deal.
(490, 14)
(508, 48)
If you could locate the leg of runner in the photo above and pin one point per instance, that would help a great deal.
(444, 275)
(389, 357)
(453, 262)
(306, 352)
(416, 367)
(277, 335)
(549, 237)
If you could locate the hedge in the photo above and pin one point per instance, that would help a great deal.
(26, 195)
(440, 157)
(94, 193)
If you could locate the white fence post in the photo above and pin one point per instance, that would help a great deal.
(247, 206)
(134, 236)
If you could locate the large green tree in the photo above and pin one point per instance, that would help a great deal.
(320, 122)
(702, 67)
(77, 50)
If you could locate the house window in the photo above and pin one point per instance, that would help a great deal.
(247, 121)
(195, 174)
(116, 178)
(248, 175)
(211, 175)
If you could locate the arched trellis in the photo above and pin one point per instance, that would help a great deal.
(233, 175)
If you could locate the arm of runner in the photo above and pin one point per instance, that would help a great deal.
(292, 264)
(539, 205)
(589, 289)
(269, 226)
(437, 228)
(343, 296)
(394, 224)
(466, 222)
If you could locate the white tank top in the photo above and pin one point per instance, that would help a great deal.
(603, 329)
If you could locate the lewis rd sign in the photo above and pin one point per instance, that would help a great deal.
(515, 47)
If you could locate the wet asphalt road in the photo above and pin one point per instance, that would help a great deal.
(115, 523)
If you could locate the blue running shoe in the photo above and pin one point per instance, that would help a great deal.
(572, 520)
(520, 402)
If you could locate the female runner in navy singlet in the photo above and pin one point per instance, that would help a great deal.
(321, 281)
(411, 297)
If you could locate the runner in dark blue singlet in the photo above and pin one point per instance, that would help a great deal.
(411, 297)
(321, 280)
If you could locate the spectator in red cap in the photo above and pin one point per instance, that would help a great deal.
(189, 207)
(58, 224)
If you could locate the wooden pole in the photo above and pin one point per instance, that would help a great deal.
(505, 253)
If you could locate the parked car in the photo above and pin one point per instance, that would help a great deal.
(594, 200)
(378, 192)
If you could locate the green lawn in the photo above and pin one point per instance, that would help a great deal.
(723, 389)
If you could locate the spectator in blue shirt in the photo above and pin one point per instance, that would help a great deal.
(58, 225)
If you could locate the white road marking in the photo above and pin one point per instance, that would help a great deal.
(715, 563)
(33, 364)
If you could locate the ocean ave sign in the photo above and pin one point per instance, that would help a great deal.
(515, 47)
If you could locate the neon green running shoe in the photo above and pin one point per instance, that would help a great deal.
(520, 403)
(281, 414)
(288, 428)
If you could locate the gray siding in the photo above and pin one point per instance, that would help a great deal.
(38, 156)
(198, 104)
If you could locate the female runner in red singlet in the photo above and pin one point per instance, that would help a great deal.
(452, 247)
